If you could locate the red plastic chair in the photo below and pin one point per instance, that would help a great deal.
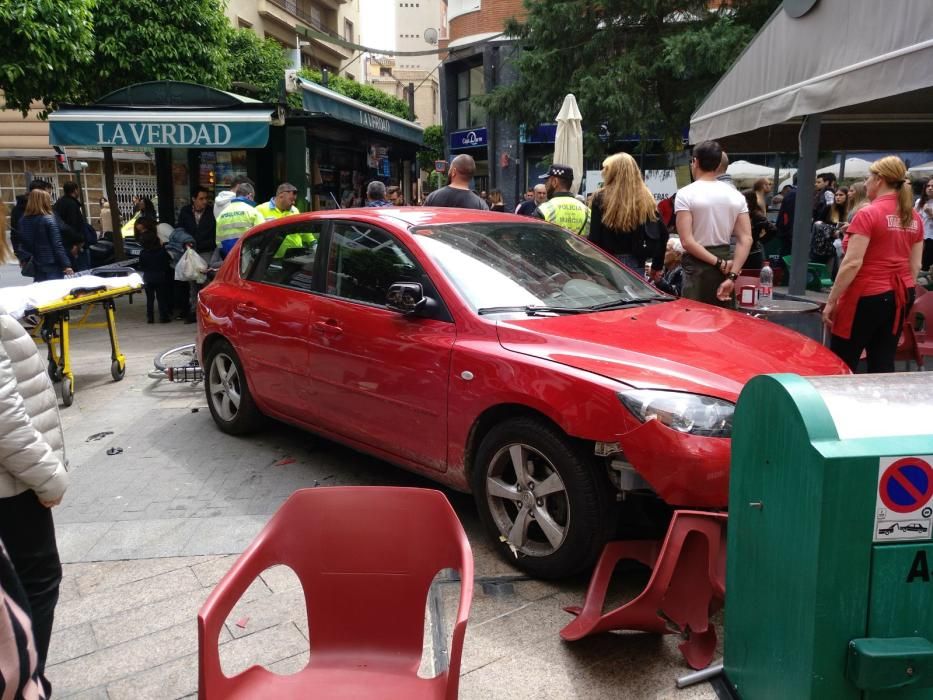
(923, 339)
(366, 557)
(687, 585)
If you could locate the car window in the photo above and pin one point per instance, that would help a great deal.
(283, 256)
(364, 261)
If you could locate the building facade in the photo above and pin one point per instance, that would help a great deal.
(281, 19)
(477, 62)
(419, 26)
(384, 74)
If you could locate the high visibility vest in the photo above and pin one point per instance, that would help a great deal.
(567, 212)
(128, 229)
(237, 218)
(269, 211)
(295, 240)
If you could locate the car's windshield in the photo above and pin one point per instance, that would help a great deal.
(512, 266)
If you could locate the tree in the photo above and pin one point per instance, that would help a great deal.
(637, 67)
(433, 149)
(260, 62)
(366, 94)
(41, 45)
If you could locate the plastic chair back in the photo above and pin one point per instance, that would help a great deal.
(366, 557)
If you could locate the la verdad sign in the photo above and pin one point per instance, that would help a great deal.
(163, 134)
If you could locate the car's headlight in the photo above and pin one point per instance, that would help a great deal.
(685, 413)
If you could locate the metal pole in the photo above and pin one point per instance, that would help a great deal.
(809, 143)
(699, 676)
(411, 101)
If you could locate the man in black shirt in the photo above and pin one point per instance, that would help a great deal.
(70, 212)
(540, 197)
(457, 194)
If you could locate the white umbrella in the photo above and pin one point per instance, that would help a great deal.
(568, 144)
(743, 170)
(855, 168)
(922, 169)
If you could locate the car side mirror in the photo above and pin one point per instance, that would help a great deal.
(409, 299)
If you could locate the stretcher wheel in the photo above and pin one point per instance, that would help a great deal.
(55, 372)
(68, 391)
(117, 371)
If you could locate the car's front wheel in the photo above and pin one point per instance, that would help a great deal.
(547, 506)
(228, 394)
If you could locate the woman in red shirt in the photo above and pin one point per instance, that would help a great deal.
(875, 286)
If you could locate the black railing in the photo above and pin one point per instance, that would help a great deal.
(295, 8)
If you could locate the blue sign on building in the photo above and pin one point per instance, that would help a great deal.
(468, 138)
(543, 133)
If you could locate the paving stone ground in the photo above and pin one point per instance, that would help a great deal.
(145, 534)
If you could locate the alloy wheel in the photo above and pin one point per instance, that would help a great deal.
(224, 387)
(527, 500)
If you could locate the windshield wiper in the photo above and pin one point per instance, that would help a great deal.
(530, 310)
(621, 303)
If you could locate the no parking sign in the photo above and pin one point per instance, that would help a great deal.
(904, 504)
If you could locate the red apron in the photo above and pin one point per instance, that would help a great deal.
(845, 314)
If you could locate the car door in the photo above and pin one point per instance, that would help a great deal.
(273, 313)
(379, 376)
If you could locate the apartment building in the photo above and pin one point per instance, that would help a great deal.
(281, 19)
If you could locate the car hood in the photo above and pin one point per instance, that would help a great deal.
(682, 345)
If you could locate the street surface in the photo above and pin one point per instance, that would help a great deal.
(145, 533)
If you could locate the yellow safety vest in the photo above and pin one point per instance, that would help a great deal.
(236, 219)
(567, 212)
(269, 211)
(295, 240)
(128, 229)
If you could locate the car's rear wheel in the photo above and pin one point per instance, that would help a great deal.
(541, 498)
(228, 394)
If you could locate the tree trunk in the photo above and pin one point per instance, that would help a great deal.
(118, 252)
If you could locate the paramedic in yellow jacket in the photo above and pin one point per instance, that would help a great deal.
(283, 204)
(237, 218)
(562, 208)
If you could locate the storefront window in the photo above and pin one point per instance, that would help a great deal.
(181, 179)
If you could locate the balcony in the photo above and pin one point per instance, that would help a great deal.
(291, 13)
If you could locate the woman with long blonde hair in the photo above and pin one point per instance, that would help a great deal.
(625, 220)
(876, 283)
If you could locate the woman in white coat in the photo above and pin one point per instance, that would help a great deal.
(33, 475)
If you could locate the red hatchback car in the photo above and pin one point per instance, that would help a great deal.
(495, 354)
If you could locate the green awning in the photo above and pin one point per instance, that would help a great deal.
(320, 100)
(164, 114)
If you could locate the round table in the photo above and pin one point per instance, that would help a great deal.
(769, 307)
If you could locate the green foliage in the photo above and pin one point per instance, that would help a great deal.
(433, 147)
(260, 62)
(42, 43)
(639, 67)
(142, 40)
(366, 94)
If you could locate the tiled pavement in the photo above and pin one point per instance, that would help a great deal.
(146, 533)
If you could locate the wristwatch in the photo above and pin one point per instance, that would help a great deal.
(732, 276)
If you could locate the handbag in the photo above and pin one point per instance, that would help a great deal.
(29, 268)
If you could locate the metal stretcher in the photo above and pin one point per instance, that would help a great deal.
(55, 327)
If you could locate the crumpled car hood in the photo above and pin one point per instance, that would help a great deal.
(681, 345)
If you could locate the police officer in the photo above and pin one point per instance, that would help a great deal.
(237, 218)
(283, 204)
(562, 208)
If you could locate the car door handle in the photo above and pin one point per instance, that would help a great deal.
(246, 309)
(330, 327)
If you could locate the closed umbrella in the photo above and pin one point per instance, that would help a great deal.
(568, 144)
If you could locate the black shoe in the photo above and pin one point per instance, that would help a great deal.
(165, 320)
(150, 320)
(191, 319)
(180, 317)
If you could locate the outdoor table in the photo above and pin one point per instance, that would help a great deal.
(795, 314)
(772, 307)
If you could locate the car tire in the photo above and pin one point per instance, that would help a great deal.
(555, 535)
(227, 391)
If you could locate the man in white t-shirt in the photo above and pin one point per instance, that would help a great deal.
(709, 212)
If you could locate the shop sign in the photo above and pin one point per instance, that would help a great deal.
(440, 166)
(468, 138)
(156, 134)
(543, 133)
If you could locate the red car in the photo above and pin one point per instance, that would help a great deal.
(495, 354)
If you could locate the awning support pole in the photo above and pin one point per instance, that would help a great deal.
(809, 141)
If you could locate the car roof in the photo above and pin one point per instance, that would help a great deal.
(405, 217)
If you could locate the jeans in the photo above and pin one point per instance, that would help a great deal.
(28, 532)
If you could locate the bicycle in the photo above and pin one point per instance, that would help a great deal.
(178, 364)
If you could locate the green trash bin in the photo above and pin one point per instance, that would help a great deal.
(829, 590)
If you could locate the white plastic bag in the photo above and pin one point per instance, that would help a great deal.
(191, 267)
